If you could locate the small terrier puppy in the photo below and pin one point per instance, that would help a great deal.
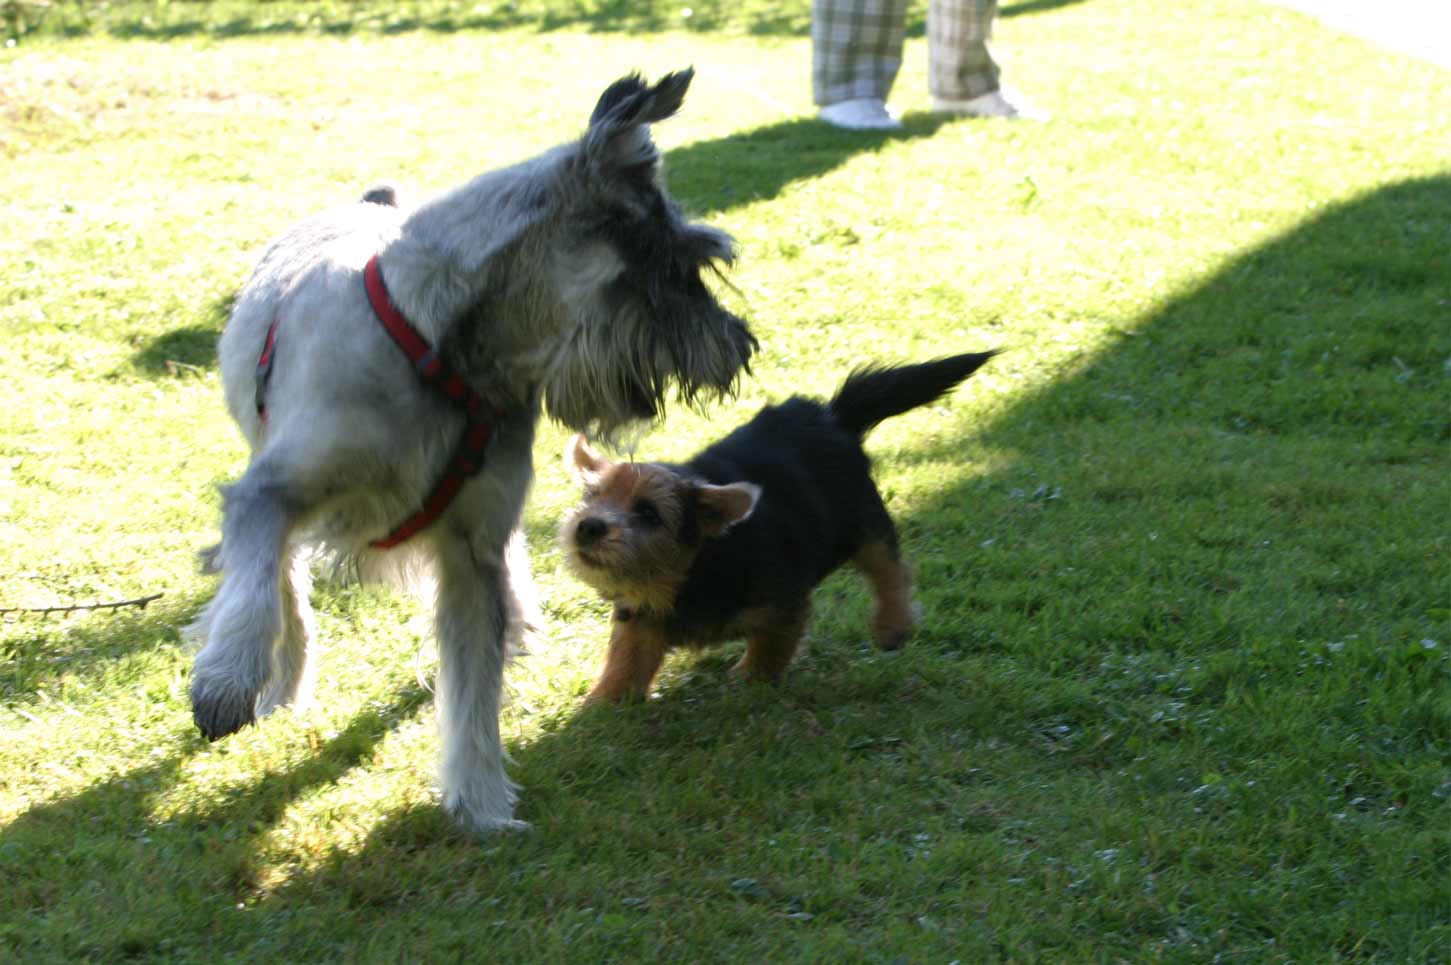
(733, 542)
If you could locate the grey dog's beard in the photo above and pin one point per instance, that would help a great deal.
(601, 388)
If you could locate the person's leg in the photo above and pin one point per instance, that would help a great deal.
(960, 66)
(962, 75)
(856, 51)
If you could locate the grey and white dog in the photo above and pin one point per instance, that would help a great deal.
(569, 284)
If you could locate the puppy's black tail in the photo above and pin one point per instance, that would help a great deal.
(873, 392)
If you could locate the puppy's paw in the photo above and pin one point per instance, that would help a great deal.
(749, 672)
(891, 629)
(892, 637)
(606, 697)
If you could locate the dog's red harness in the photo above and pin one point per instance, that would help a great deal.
(478, 428)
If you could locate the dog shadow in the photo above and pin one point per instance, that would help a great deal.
(594, 786)
(204, 847)
(191, 348)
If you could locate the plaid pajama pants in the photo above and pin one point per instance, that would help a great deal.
(856, 48)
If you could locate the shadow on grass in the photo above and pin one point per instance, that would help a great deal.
(710, 177)
(1234, 437)
(1232, 458)
(1023, 8)
(203, 852)
(189, 348)
(1286, 362)
(1334, 331)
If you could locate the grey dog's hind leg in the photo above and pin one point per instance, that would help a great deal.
(472, 628)
(292, 663)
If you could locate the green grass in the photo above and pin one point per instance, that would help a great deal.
(171, 19)
(1183, 686)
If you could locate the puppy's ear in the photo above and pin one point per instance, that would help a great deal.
(721, 507)
(586, 465)
(619, 135)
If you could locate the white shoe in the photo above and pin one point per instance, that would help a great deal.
(862, 114)
(998, 103)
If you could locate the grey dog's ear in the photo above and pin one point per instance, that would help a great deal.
(633, 101)
(617, 126)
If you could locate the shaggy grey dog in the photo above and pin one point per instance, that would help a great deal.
(568, 284)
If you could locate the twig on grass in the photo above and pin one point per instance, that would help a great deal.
(139, 602)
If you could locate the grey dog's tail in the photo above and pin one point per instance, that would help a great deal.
(873, 393)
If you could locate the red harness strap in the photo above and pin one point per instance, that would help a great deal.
(264, 370)
(468, 453)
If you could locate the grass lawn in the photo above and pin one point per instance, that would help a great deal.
(1182, 689)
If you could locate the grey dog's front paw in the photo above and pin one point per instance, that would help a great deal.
(484, 804)
(219, 710)
(488, 825)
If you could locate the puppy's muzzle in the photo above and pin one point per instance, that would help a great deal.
(589, 531)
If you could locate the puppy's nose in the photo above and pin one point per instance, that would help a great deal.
(589, 530)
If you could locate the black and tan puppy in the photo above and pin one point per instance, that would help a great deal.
(732, 543)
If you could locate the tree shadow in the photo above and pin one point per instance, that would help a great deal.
(1242, 444)
(1336, 328)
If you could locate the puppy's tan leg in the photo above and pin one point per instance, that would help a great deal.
(637, 647)
(891, 582)
(770, 647)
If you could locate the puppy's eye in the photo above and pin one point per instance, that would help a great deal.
(647, 514)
